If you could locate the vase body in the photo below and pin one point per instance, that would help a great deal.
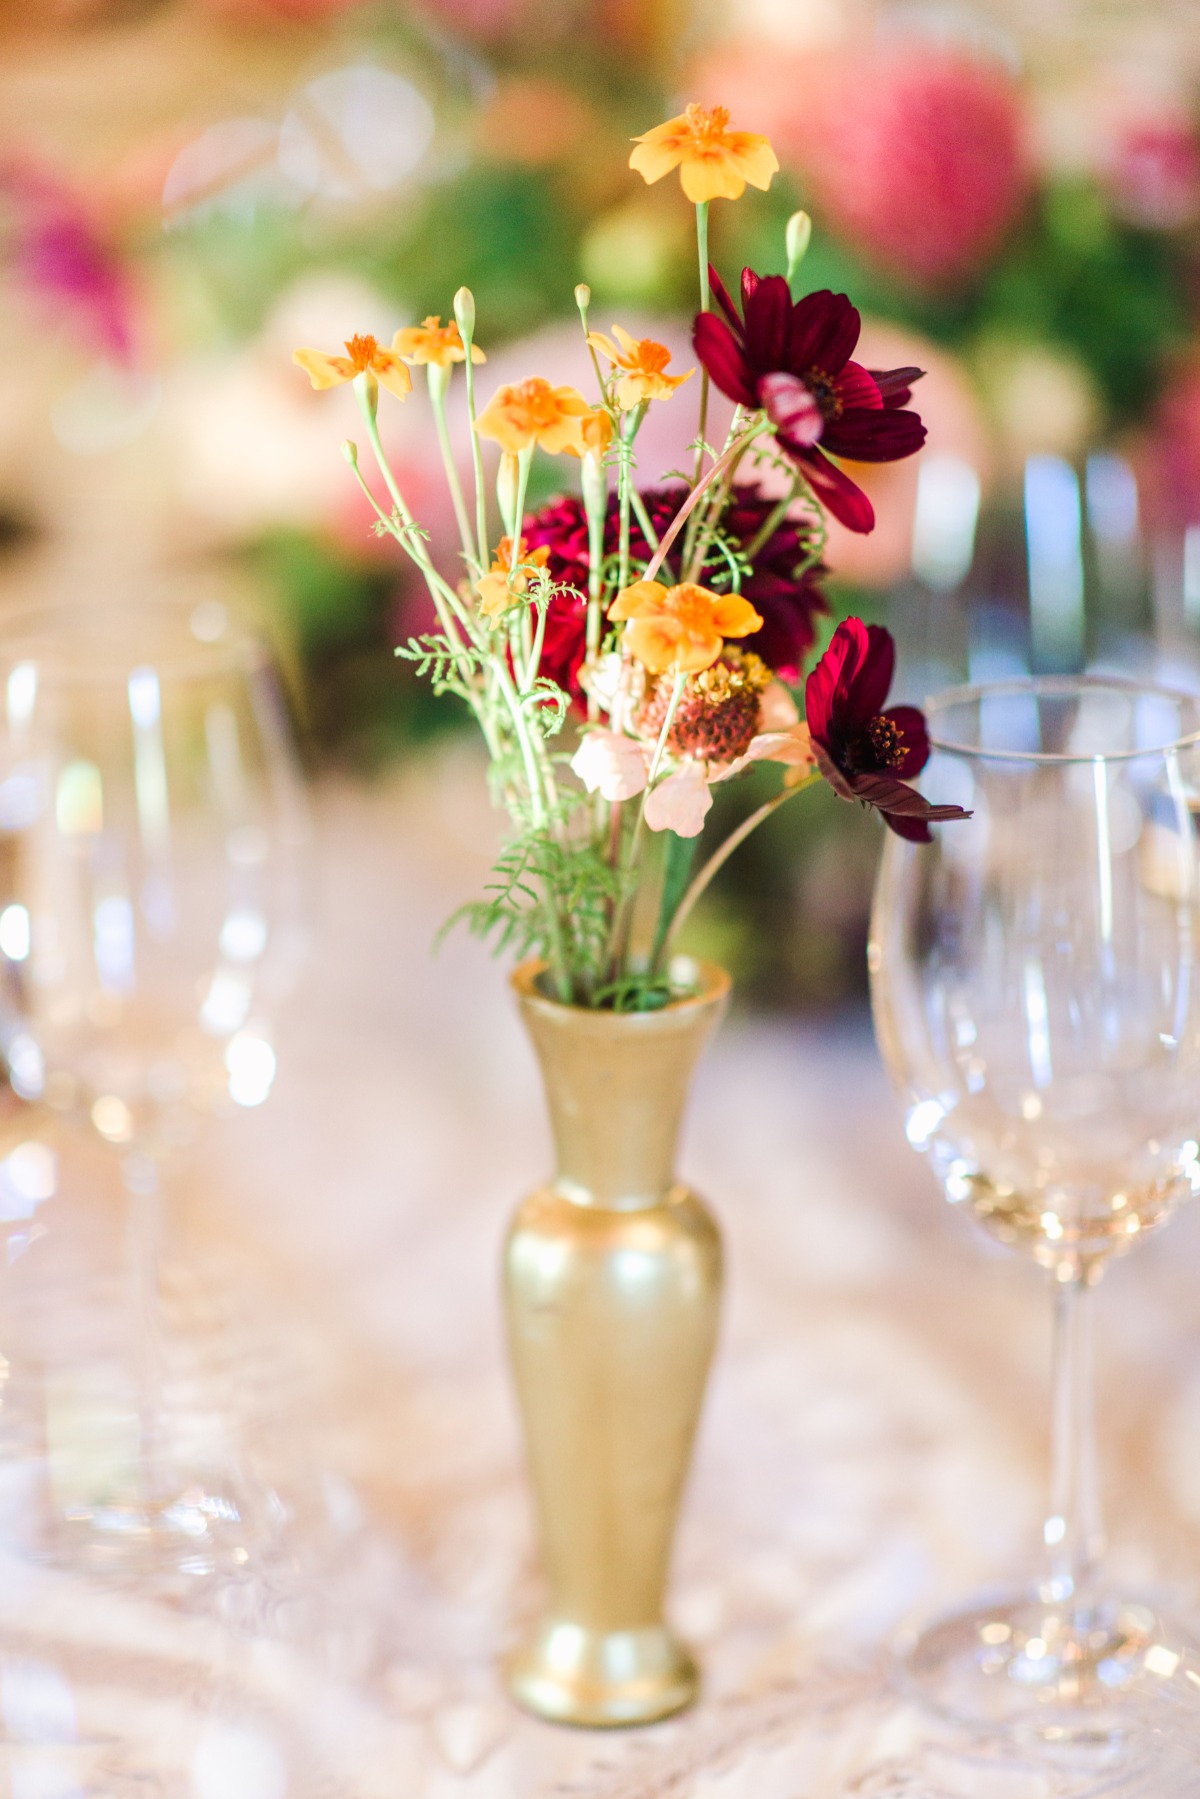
(612, 1285)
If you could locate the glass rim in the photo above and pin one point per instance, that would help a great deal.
(38, 633)
(1062, 687)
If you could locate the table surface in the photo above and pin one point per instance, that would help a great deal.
(874, 1440)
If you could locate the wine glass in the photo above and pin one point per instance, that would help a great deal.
(151, 827)
(1036, 986)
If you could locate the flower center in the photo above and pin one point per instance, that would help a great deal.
(707, 125)
(535, 398)
(361, 351)
(650, 358)
(823, 388)
(692, 606)
(878, 745)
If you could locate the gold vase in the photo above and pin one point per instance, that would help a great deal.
(612, 1279)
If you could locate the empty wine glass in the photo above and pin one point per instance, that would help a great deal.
(151, 819)
(1036, 985)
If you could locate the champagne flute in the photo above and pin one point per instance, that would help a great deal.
(1036, 987)
(151, 818)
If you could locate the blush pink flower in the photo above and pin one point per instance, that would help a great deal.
(611, 765)
(915, 155)
(681, 803)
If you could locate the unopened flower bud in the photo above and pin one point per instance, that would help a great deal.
(583, 297)
(464, 313)
(350, 452)
(508, 478)
(797, 238)
(595, 487)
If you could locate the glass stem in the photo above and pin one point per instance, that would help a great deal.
(144, 1224)
(1073, 1531)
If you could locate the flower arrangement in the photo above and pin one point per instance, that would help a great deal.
(625, 651)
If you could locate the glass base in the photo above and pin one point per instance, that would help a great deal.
(173, 1539)
(1111, 1679)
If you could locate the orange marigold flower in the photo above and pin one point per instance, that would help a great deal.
(714, 162)
(363, 356)
(643, 363)
(500, 586)
(595, 434)
(434, 342)
(533, 412)
(680, 628)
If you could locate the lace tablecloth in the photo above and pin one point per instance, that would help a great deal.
(874, 1439)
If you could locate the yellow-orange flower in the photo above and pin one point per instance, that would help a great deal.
(533, 412)
(595, 434)
(714, 162)
(434, 342)
(643, 364)
(497, 592)
(680, 628)
(363, 355)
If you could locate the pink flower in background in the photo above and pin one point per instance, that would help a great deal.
(1168, 466)
(1154, 173)
(913, 154)
(55, 250)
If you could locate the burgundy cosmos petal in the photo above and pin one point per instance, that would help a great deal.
(835, 490)
(895, 385)
(865, 753)
(874, 435)
(722, 355)
(793, 360)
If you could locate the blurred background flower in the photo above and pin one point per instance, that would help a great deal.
(1012, 199)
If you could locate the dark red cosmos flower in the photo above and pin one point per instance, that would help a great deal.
(794, 362)
(864, 752)
(788, 604)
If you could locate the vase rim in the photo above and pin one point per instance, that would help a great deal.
(712, 985)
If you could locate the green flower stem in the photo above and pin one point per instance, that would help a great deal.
(595, 499)
(722, 854)
(450, 615)
(523, 461)
(539, 638)
(481, 526)
(770, 524)
(633, 422)
(697, 494)
(703, 523)
(702, 252)
(643, 518)
(410, 538)
(439, 382)
(624, 918)
(537, 775)
(678, 855)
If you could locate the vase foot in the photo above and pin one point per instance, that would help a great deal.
(603, 1679)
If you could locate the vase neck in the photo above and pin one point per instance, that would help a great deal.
(616, 1085)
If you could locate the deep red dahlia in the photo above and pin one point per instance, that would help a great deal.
(865, 753)
(789, 604)
(794, 362)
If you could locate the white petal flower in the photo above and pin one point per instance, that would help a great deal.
(681, 802)
(793, 747)
(612, 765)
